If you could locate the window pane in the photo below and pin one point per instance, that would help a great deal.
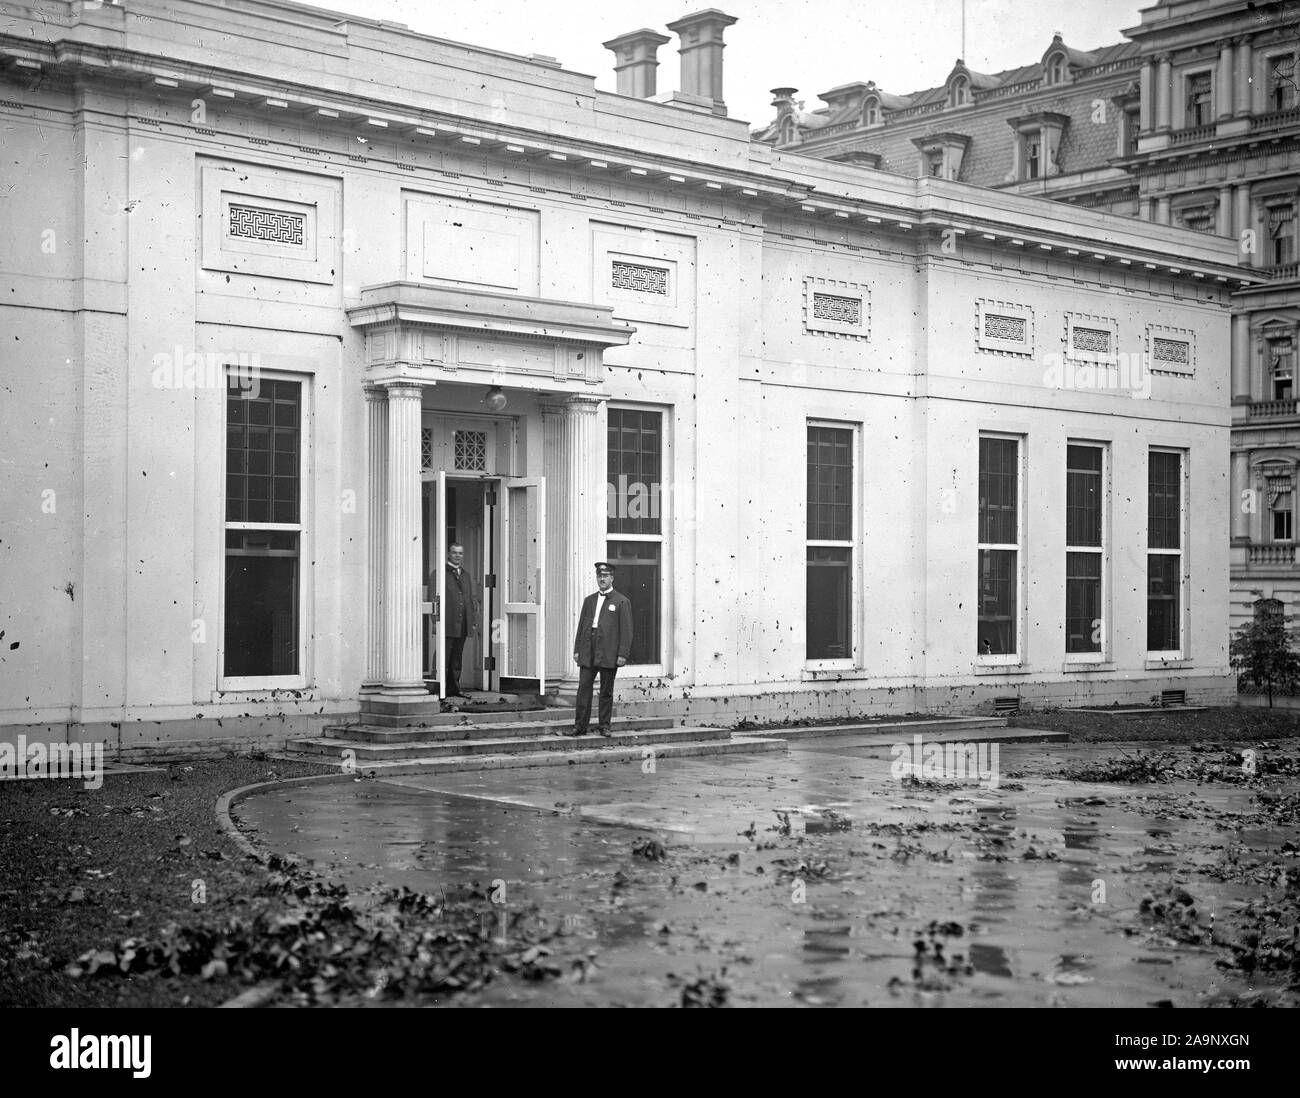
(997, 602)
(1164, 500)
(638, 577)
(1082, 602)
(830, 613)
(1083, 495)
(261, 634)
(1162, 602)
(262, 432)
(997, 488)
(634, 446)
(830, 483)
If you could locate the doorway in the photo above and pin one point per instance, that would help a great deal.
(500, 522)
(463, 510)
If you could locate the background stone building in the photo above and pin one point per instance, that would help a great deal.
(1192, 122)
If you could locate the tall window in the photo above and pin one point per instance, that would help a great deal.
(1283, 83)
(263, 529)
(1164, 551)
(1281, 234)
(829, 622)
(1280, 508)
(960, 92)
(871, 112)
(1281, 358)
(634, 520)
(1084, 550)
(1200, 107)
(999, 546)
(1056, 70)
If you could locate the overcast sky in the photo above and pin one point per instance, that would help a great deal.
(813, 45)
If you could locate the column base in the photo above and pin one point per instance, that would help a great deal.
(399, 710)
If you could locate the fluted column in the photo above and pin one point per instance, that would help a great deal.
(1164, 93)
(1223, 212)
(402, 544)
(1240, 524)
(575, 466)
(377, 435)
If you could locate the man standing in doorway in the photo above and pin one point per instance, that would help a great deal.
(603, 642)
(461, 619)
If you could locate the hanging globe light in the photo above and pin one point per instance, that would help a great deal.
(495, 399)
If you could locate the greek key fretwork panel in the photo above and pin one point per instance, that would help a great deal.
(268, 226)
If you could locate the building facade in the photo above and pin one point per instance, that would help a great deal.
(1193, 122)
(292, 300)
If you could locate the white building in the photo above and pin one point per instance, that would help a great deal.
(858, 441)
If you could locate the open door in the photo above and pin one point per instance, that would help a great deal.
(522, 647)
(439, 569)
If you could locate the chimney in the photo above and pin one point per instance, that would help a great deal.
(635, 61)
(701, 50)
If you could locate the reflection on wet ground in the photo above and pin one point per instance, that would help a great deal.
(814, 877)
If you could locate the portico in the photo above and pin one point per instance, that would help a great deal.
(430, 353)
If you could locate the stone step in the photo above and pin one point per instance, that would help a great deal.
(475, 730)
(429, 715)
(901, 729)
(614, 753)
(366, 753)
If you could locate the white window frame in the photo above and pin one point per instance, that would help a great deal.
(306, 552)
(1018, 657)
(1104, 655)
(1184, 463)
(853, 545)
(665, 663)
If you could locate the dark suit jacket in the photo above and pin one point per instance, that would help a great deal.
(460, 615)
(614, 638)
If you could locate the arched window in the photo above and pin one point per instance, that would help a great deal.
(960, 95)
(1056, 69)
(785, 135)
(871, 112)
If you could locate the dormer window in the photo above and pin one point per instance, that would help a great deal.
(959, 96)
(1033, 156)
(785, 134)
(1056, 69)
(1037, 145)
(871, 112)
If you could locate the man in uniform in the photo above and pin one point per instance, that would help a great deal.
(603, 643)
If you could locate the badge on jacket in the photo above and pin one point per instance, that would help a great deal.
(610, 606)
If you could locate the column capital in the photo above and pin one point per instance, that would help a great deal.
(374, 393)
(403, 389)
(578, 404)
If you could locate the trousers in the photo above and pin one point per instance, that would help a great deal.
(586, 680)
(455, 646)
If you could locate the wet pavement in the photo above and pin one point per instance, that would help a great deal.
(818, 876)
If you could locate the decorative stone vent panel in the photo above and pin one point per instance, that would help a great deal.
(1171, 350)
(1003, 327)
(639, 277)
(268, 226)
(835, 308)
